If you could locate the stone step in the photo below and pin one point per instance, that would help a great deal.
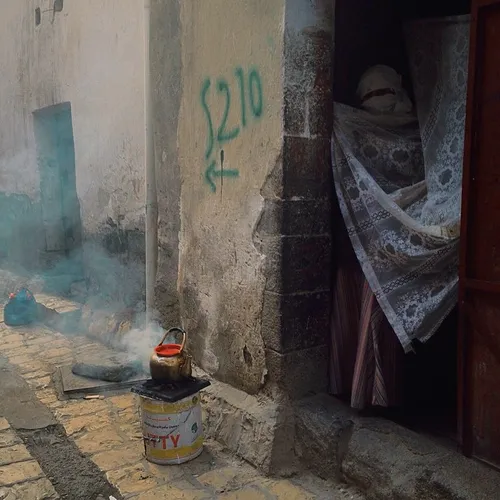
(384, 459)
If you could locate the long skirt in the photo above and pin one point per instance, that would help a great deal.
(366, 358)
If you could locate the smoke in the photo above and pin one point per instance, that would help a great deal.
(92, 253)
(138, 343)
(112, 281)
(107, 279)
(103, 271)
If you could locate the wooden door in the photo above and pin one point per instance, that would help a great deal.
(56, 158)
(479, 289)
(70, 205)
(50, 182)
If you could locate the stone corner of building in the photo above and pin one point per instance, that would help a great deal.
(257, 428)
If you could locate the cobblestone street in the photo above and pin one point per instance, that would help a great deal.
(20, 475)
(37, 460)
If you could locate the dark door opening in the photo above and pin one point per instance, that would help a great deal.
(368, 33)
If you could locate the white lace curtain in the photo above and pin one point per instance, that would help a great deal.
(398, 181)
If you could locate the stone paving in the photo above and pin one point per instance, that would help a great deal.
(21, 477)
(108, 431)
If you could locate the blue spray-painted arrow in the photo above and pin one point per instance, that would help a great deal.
(212, 173)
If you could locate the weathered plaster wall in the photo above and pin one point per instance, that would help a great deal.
(231, 54)
(19, 231)
(92, 55)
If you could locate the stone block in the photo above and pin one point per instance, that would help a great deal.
(90, 422)
(41, 489)
(35, 340)
(295, 321)
(307, 169)
(12, 454)
(285, 490)
(60, 342)
(20, 360)
(320, 98)
(117, 459)
(128, 415)
(19, 472)
(180, 490)
(224, 423)
(99, 440)
(51, 403)
(296, 217)
(295, 111)
(123, 401)
(57, 353)
(299, 68)
(391, 461)
(227, 478)
(169, 473)
(78, 408)
(47, 396)
(32, 365)
(4, 425)
(323, 427)
(299, 373)
(247, 493)
(8, 438)
(7, 494)
(14, 349)
(39, 383)
(298, 264)
(36, 375)
(12, 340)
(133, 431)
(458, 477)
(257, 429)
(321, 108)
(130, 480)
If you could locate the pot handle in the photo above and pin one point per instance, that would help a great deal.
(175, 328)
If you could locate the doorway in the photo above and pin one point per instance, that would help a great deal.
(417, 389)
(60, 207)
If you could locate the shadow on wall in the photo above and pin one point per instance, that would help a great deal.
(114, 269)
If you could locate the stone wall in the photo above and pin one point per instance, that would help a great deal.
(255, 205)
(297, 221)
(20, 233)
(90, 55)
(230, 140)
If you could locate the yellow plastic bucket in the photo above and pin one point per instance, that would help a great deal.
(172, 432)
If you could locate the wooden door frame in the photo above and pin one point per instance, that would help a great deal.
(464, 427)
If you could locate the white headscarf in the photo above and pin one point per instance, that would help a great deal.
(380, 90)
